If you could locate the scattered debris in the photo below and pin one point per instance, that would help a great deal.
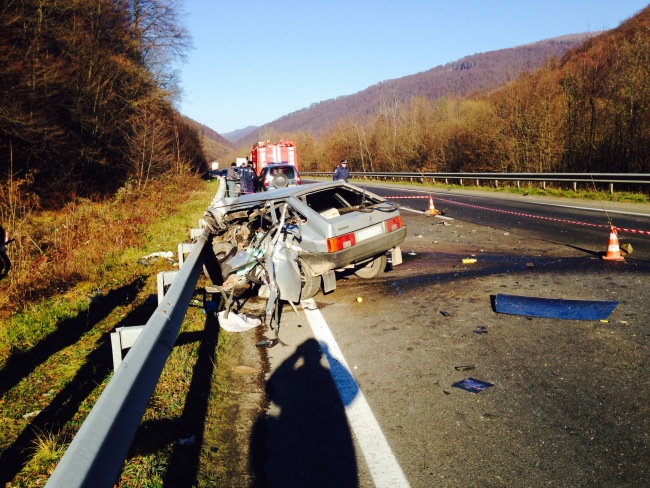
(468, 260)
(413, 253)
(161, 254)
(209, 306)
(465, 367)
(267, 343)
(626, 248)
(359, 299)
(445, 313)
(31, 414)
(472, 385)
(236, 322)
(529, 265)
(188, 441)
(480, 330)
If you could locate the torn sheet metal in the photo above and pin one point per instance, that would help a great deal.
(554, 308)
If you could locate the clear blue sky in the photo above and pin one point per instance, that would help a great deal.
(255, 61)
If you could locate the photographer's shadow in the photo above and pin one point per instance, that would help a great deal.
(308, 442)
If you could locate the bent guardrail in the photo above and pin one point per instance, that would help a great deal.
(97, 452)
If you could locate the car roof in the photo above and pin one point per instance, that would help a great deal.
(288, 192)
(279, 165)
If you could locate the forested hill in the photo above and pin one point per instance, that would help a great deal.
(471, 74)
(86, 92)
(215, 146)
(586, 112)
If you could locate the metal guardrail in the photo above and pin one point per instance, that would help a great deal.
(97, 452)
(607, 178)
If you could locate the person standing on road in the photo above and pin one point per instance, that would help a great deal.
(231, 180)
(341, 172)
(246, 179)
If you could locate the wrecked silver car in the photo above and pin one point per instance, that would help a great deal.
(291, 241)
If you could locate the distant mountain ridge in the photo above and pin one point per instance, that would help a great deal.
(215, 146)
(476, 73)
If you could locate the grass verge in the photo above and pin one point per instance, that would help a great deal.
(55, 355)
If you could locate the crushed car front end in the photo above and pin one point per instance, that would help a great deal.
(264, 238)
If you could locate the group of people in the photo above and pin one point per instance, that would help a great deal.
(244, 175)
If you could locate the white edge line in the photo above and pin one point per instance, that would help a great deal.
(384, 468)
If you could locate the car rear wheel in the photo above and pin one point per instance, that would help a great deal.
(373, 269)
(310, 283)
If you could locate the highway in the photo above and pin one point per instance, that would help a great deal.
(361, 388)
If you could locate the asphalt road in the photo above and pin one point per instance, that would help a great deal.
(375, 404)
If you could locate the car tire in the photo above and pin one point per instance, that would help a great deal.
(309, 282)
(373, 269)
(280, 181)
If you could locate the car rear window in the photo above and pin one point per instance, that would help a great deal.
(336, 198)
(287, 171)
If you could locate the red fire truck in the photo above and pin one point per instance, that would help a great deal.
(265, 154)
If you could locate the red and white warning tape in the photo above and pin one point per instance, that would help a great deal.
(520, 214)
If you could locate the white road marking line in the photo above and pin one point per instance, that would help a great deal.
(384, 468)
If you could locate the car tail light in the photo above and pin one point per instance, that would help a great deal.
(297, 179)
(394, 223)
(341, 242)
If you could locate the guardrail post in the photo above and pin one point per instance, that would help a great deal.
(123, 338)
(184, 248)
(163, 279)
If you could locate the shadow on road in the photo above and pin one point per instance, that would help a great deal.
(308, 443)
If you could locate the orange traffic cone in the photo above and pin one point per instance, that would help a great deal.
(432, 209)
(613, 250)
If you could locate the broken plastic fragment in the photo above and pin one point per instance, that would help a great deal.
(472, 385)
(554, 307)
(188, 441)
(160, 254)
(465, 367)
